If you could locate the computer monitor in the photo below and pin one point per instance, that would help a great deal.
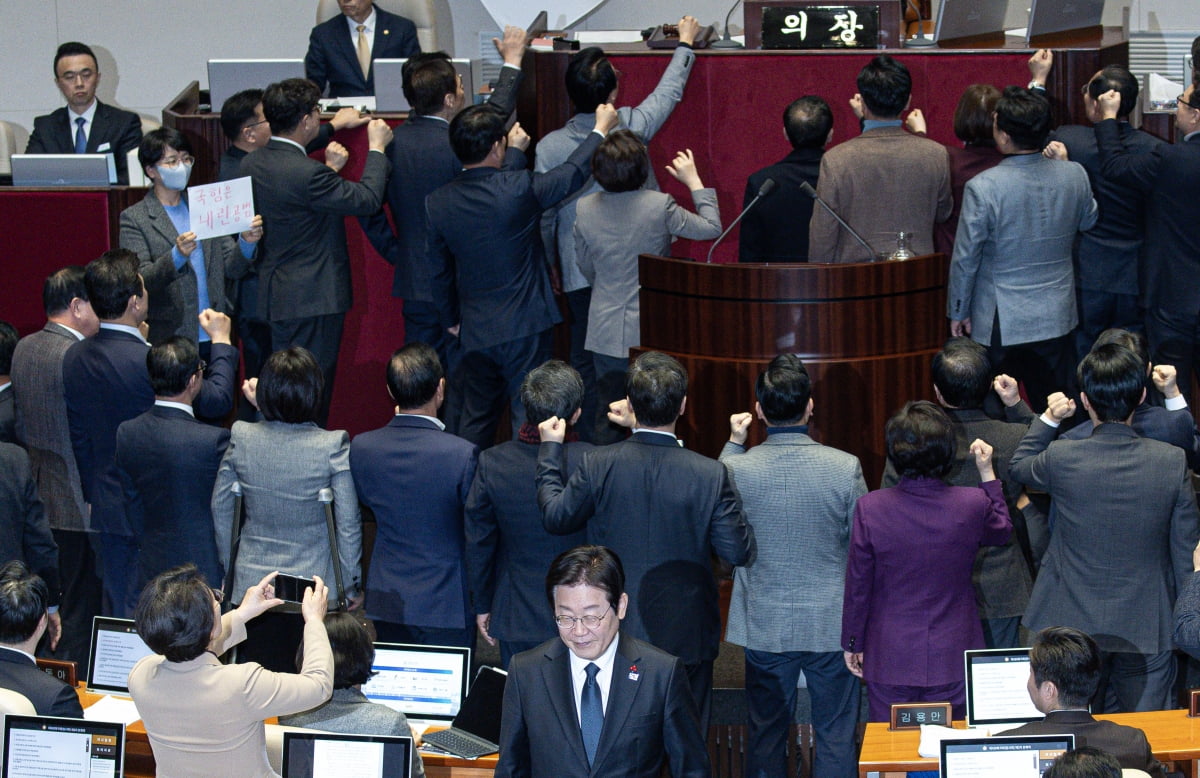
(60, 169)
(997, 687)
(1050, 16)
(227, 77)
(425, 683)
(36, 746)
(1026, 756)
(333, 755)
(116, 648)
(968, 19)
(389, 84)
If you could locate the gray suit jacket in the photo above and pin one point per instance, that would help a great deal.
(1012, 253)
(611, 230)
(884, 181)
(148, 231)
(42, 428)
(1123, 540)
(281, 468)
(799, 496)
(350, 712)
(644, 120)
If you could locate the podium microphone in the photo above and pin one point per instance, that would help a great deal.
(767, 187)
(918, 41)
(808, 190)
(727, 41)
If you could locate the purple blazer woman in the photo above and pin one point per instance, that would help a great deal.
(909, 609)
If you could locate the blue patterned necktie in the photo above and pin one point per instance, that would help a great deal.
(591, 712)
(80, 138)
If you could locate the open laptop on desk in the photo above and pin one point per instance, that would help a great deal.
(476, 728)
(997, 688)
(333, 755)
(426, 683)
(116, 648)
(1002, 757)
(60, 169)
(227, 77)
(37, 746)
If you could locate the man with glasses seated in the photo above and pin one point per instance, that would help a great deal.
(85, 125)
(596, 703)
(167, 461)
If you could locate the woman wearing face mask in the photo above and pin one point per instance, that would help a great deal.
(183, 275)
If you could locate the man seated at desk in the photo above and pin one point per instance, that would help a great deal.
(341, 51)
(85, 125)
(24, 618)
(1064, 672)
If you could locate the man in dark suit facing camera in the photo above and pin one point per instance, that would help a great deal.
(595, 702)
(24, 618)
(85, 125)
(342, 51)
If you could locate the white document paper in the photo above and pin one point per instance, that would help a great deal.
(112, 709)
(335, 759)
(224, 208)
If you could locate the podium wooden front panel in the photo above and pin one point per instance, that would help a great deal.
(866, 332)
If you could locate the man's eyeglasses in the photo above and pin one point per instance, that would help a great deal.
(589, 621)
(1181, 99)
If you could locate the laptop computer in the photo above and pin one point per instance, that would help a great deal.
(36, 746)
(968, 18)
(425, 683)
(389, 84)
(1050, 16)
(60, 169)
(997, 687)
(116, 648)
(227, 77)
(1002, 757)
(476, 728)
(333, 755)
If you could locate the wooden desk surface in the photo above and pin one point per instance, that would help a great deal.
(1173, 737)
(139, 760)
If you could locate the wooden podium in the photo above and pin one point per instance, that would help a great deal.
(866, 332)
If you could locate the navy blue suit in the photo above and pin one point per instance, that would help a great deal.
(119, 130)
(508, 549)
(333, 56)
(105, 383)
(415, 478)
(24, 531)
(168, 464)
(50, 696)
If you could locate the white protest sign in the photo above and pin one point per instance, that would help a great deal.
(225, 208)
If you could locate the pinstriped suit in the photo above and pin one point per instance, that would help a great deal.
(787, 608)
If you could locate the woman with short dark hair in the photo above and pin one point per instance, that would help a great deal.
(349, 711)
(282, 464)
(204, 718)
(909, 608)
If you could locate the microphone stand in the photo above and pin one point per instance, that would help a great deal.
(920, 41)
(767, 187)
(808, 190)
(727, 41)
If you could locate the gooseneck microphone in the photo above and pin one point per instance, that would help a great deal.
(808, 190)
(727, 41)
(767, 187)
(919, 41)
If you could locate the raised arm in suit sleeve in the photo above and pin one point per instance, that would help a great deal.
(330, 193)
(565, 509)
(1030, 464)
(514, 760)
(278, 694)
(648, 117)
(346, 516)
(482, 531)
(731, 536)
(704, 224)
(975, 226)
(998, 525)
(558, 182)
(1137, 171)
(1187, 616)
(220, 382)
(504, 96)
